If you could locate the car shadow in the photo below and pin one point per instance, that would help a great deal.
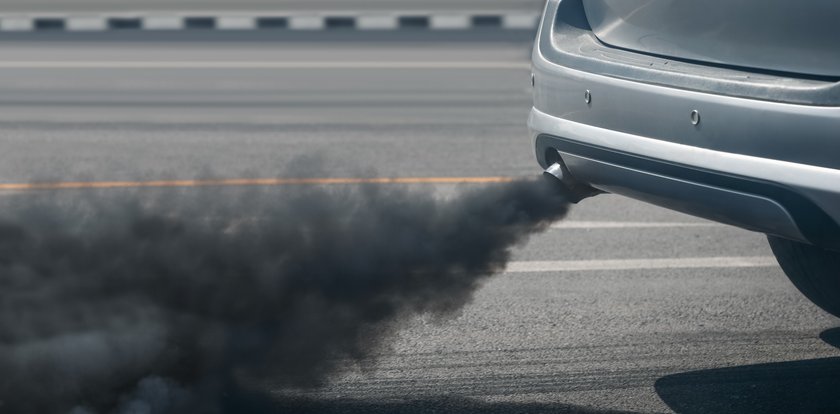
(811, 385)
(262, 404)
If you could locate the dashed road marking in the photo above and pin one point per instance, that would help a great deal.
(245, 21)
(641, 264)
(631, 224)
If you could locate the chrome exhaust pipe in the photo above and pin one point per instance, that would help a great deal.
(575, 190)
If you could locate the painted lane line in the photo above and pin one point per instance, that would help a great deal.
(16, 24)
(163, 23)
(307, 23)
(84, 24)
(248, 182)
(641, 264)
(209, 20)
(261, 65)
(450, 22)
(236, 23)
(384, 22)
(520, 21)
(630, 225)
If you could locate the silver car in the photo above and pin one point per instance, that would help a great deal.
(728, 110)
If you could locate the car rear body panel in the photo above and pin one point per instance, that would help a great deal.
(761, 157)
(798, 37)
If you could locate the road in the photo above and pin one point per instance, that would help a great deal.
(93, 6)
(600, 324)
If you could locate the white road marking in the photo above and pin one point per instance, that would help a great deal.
(450, 22)
(163, 23)
(260, 65)
(384, 22)
(16, 24)
(631, 224)
(643, 264)
(307, 23)
(520, 21)
(83, 24)
(311, 20)
(236, 23)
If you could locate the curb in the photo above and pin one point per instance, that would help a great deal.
(268, 21)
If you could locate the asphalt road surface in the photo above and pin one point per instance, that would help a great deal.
(621, 307)
(93, 6)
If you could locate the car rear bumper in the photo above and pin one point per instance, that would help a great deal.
(724, 189)
(758, 163)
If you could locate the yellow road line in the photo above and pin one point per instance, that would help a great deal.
(233, 182)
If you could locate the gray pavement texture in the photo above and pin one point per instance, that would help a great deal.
(725, 340)
(87, 6)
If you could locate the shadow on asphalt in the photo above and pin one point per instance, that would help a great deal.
(437, 405)
(795, 386)
(264, 405)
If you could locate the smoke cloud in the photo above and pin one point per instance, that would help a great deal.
(169, 301)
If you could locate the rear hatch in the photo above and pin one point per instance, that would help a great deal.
(797, 37)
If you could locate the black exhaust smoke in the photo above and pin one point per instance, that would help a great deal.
(117, 302)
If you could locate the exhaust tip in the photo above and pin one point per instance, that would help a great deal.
(559, 174)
